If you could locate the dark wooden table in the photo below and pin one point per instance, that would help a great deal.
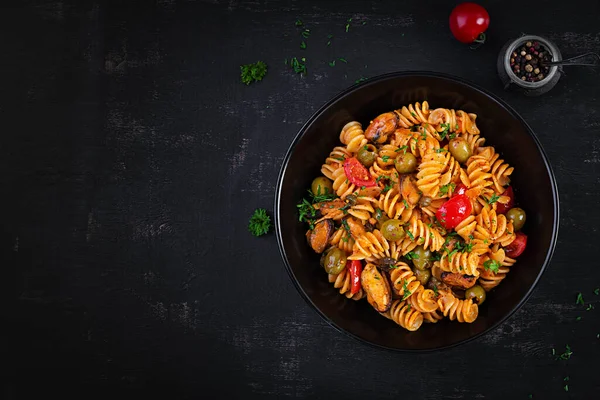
(132, 157)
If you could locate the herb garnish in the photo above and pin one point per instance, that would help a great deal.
(579, 299)
(566, 355)
(493, 199)
(348, 24)
(303, 45)
(343, 60)
(597, 291)
(298, 22)
(305, 33)
(298, 66)
(401, 148)
(253, 72)
(445, 131)
(407, 292)
(260, 222)
(410, 235)
(385, 158)
(492, 265)
(445, 188)
(411, 255)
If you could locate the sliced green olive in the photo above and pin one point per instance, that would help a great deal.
(405, 163)
(422, 275)
(321, 186)
(460, 149)
(476, 293)
(367, 155)
(392, 230)
(334, 261)
(517, 216)
(421, 258)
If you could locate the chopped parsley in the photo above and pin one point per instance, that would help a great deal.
(380, 177)
(410, 235)
(343, 60)
(440, 150)
(407, 292)
(388, 187)
(361, 79)
(578, 319)
(445, 131)
(435, 290)
(260, 222)
(435, 256)
(445, 188)
(305, 33)
(408, 308)
(492, 265)
(402, 148)
(253, 72)
(299, 67)
(411, 255)
(597, 291)
(566, 355)
(306, 212)
(345, 225)
(385, 158)
(579, 299)
(332, 63)
(348, 24)
(405, 203)
(493, 199)
(303, 45)
(318, 197)
(589, 307)
(298, 22)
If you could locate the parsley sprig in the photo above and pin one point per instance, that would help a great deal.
(260, 222)
(492, 265)
(253, 72)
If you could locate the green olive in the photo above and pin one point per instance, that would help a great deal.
(517, 216)
(392, 230)
(351, 200)
(367, 155)
(321, 185)
(334, 261)
(421, 258)
(460, 150)
(476, 293)
(422, 275)
(405, 163)
(381, 217)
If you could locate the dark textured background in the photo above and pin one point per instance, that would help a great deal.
(132, 156)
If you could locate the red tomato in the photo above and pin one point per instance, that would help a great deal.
(517, 247)
(468, 22)
(503, 208)
(460, 189)
(357, 173)
(454, 211)
(355, 268)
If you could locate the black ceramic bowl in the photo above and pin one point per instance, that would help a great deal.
(533, 182)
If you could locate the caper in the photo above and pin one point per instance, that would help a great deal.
(460, 150)
(392, 230)
(351, 200)
(405, 163)
(422, 275)
(517, 216)
(425, 201)
(367, 155)
(321, 186)
(476, 293)
(421, 258)
(334, 261)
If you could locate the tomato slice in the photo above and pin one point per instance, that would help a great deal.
(357, 173)
(460, 189)
(517, 247)
(355, 268)
(503, 208)
(454, 211)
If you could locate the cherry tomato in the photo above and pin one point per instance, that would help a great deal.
(460, 189)
(355, 268)
(517, 247)
(503, 208)
(468, 22)
(357, 173)
(454, 211)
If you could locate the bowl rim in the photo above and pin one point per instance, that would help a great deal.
(383, 77)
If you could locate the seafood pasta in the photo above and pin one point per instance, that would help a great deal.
(416, 214)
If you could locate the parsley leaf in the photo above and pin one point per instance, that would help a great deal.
(343, 60)
(402, 148)
(589, 307)
(597, 291)
(253, 72)
(361, 79)
(405, 204)
(411, 255)
(345, 225)
(579, 299)
(566, 355)
(299, 67)
(303, 45)
(445, 188)
(385, 158)
(298, 22)
(407, 292)
(410, 235)
(491, 265)
(435, 289)
(306, 212)
(260, 222)
(305, 33)
(445, 131)
(493, 199)
(332, 63)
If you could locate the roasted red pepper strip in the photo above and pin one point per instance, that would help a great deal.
(357, 173)
(355, 268)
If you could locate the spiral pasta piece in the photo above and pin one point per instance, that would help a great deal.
(391, 203)
(334, 161)
(464, 263)
(403, 280)
(498, 229)
(455, 309)
(413, 114)
(353, 136)
(423, 300)
(341, 185)
(430, 170)
(500, 170)
(343, 282)
(424, 235)
(342, 240)
(404, 315)
(478, 176)
(386, 156)
(433, 317)
(370, 244)
(489, 279)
